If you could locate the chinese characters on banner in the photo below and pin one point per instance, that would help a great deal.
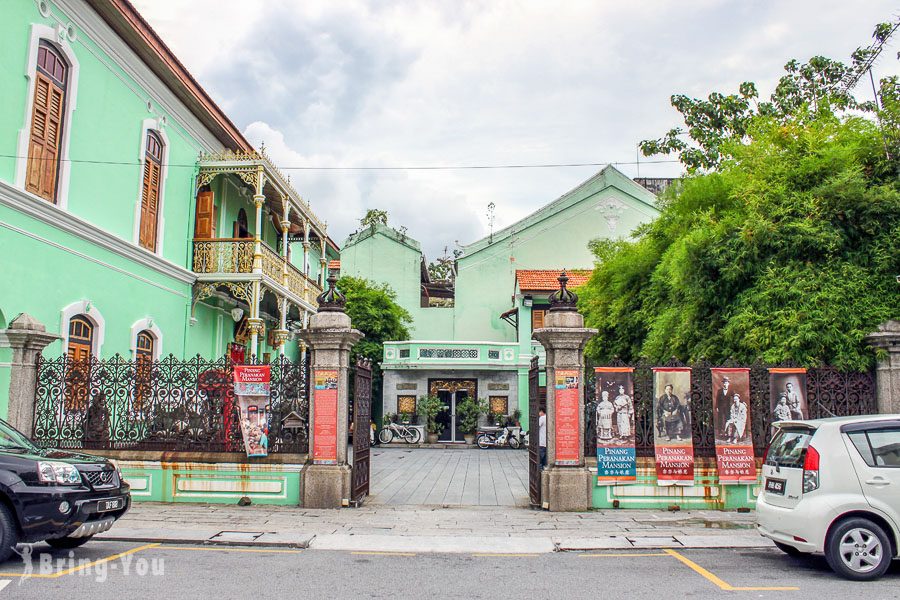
(251, 388)
(568, 436)
(616, 457)
(672, 426)
(731, 424)
(787, 393)
(325, 417)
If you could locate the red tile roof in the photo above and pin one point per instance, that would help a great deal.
(544, 280)
(334, 264)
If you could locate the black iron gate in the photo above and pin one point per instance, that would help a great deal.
(362, 419)
(534, 449)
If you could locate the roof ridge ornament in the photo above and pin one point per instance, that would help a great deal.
(563, 299)
(331, 300)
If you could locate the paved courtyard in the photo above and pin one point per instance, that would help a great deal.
(452, 477)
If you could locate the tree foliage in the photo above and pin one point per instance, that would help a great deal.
(789, 251)
(820, 86)
(374, 216)
(373, 309)
(444, 268)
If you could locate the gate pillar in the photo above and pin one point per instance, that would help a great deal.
(566, 483)
(887, 372)
(27, 337)
(326, 482)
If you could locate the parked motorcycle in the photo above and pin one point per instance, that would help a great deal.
(490, 437)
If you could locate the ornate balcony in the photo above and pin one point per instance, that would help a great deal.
(229, 263)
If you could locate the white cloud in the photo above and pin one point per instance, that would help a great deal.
(354, 83)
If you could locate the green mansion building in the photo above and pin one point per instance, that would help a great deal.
(473, 338)
(135, 218)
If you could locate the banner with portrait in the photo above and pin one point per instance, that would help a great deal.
(615, 420)
(251, 389)
(787, 394)
(732, 426)
(672, 432)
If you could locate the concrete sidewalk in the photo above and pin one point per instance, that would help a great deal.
(434, 529)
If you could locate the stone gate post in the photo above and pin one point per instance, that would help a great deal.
(887, 372)
(27, 337)
(566, 482)
(326, 478)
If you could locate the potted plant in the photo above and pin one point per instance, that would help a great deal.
(387, 419)
(468, 412)
(430, 407)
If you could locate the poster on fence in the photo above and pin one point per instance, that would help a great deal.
(566, 416)
(787, 393)
(325, 417)
(672, 435)
(251, 389)
(732, 426)
(616, 457)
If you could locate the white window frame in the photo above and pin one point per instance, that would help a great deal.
(147, 324)
(157, 125)
(57, 36)
(86, 308)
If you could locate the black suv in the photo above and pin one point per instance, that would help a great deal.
(50, 495)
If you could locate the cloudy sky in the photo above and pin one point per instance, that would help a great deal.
(328, 83)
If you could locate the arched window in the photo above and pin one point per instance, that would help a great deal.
(153, 156)
(78, 373)
(241, 228)
(143, 363)
(46, 122)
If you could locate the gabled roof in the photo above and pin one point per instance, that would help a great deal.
(607, 177)
(547, 280)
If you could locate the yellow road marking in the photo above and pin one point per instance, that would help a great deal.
(621, 554)
(385, 553)
(502, 554)
(79, 567)
(719, 582)
(212, 548)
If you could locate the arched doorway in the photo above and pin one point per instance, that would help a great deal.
(143, 359)
(79, 351)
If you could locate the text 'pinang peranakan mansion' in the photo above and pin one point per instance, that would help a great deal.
(473, 339)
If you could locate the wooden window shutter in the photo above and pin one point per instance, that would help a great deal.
(537, 318)
(45, 139)
(204, 225)
(150, 193)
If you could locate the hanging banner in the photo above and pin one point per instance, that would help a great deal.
(566, 417)
(616, 457)
(672, 426)
(251, 389)
(325, 416)
(787, 393)
(731, 424)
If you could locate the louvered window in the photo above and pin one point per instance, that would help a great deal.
(47, 124)
(150, 192)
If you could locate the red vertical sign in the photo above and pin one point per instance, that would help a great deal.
(568, 432)
(325, 417)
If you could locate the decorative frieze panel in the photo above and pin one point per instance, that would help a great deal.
(449, 353)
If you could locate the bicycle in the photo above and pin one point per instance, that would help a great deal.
(408, 434)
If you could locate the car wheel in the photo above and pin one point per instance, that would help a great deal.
(858, 549)
(67, 543)
(9, 535)
(789, 550)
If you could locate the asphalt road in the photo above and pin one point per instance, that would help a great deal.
(130, 570)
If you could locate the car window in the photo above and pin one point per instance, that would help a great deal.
(885, 447)
(788, 447)
(861, 442)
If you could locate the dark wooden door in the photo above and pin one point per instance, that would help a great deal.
(362, 422)
(78, 369)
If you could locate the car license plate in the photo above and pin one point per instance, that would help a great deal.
(110, 504)
(775, 486)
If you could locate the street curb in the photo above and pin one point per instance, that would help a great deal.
(206, 542)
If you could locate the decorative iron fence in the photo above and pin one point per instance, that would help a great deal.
(164, 405)
(830, 392)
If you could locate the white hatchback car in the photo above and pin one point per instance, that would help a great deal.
(833, 486)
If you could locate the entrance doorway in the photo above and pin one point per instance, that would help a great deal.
(451, 393)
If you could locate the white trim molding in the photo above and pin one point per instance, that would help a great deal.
(86, 308)
(156, 125)
(57, 36)
(147, 324)
(40, 209)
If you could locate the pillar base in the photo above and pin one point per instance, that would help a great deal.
(567, 489)
(325, 486)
